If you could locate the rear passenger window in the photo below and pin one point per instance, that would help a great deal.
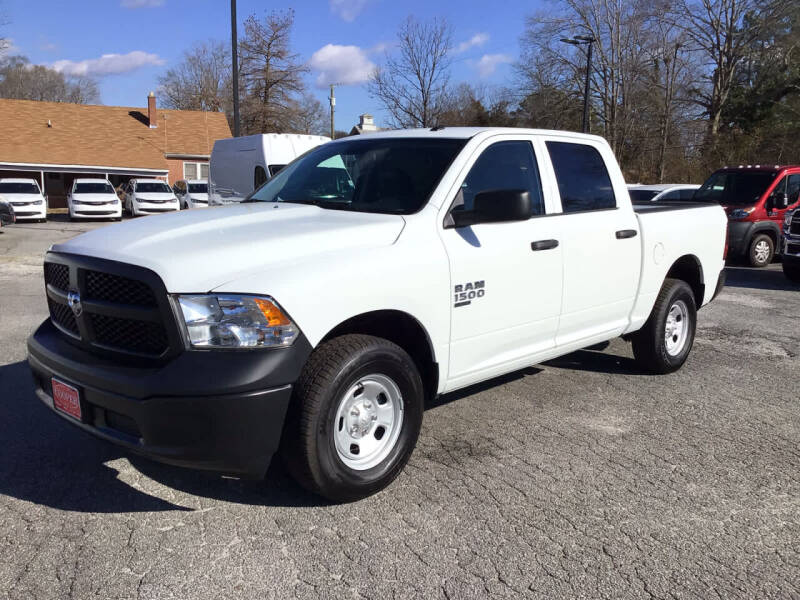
(582, 177)
(503, 166)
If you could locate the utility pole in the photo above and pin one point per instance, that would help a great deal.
(235, 67)
(333, 105)
(580, 40)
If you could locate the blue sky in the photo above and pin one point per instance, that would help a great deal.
(340, 39)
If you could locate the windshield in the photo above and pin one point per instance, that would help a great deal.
(11, 187)
(735, 188)
(386, 175)
(150, 187)
(642, 195)
(198, 188)
(94, 188)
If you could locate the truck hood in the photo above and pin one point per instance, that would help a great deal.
(197, 251)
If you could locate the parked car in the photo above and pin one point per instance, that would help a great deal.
(755, 199)
(6, 213)
(92, 199)
(368, 276)
(192, 193)
(25, 197)
(240, 165)
(662, 192)
(791, 245)
(148, 197)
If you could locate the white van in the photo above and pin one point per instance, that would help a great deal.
(240, 165)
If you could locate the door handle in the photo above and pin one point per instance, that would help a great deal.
(544, 245)
(624, 234)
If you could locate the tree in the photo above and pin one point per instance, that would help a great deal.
(723, 32)
(309, 117)
(201, 81)
(23, 81)
(271, 74)
(412, 84)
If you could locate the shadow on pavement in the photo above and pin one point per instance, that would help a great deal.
(762, 279)
(47, 461)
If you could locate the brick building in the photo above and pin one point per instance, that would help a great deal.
(55, 142)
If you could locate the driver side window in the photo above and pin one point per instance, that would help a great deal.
(507, 165)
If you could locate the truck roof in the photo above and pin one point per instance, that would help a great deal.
(469, 132)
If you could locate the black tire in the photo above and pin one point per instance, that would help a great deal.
(752, 254)
(307, 445)
(649, 343)
(791, 268)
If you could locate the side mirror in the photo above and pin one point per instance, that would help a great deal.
(496, 206)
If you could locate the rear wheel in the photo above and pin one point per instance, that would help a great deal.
(762, 249)
(664, 342)
(791, 268)
(355, 417)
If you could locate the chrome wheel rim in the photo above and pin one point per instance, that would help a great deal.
(676, 331)
(368, 422)
(762, 251)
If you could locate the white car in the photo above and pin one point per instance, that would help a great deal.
(192, 193)
(93, 198)
(149, 197)
(25, 197)
(370, 275)
(662, 191)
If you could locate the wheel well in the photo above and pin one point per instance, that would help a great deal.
(688, 268)
(772, 233)
(402, 329)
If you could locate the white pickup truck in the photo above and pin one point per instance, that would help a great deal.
(316, 318)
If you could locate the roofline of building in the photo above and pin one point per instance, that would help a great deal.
(79, 168)
(189, 156)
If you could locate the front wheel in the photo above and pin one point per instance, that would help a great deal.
(762, 249)
(663, 344)
(355, 417)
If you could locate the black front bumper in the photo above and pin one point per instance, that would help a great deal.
(215, 410)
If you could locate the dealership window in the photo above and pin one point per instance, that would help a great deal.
(195, 170)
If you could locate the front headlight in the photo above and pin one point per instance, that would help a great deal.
(233, 321)
(740, 213)
(787, 219)
(38, 202)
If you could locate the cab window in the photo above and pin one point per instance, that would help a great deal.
(583, 180)
(507, 165)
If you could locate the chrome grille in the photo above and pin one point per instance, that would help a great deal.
(794, 225)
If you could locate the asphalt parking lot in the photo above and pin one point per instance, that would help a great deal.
(580, 477)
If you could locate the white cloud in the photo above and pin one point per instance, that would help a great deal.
(479, 39)
(341, 64)
(140, 3)
(488, 63)
(8, 47)
(108, 64)
(347, 10)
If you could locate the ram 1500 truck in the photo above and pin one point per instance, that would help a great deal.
(371, 274)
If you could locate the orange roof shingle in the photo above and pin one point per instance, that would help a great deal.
(109, 136)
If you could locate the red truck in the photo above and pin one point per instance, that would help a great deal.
(755, 198)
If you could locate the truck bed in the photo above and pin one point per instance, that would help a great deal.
(666, 205)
